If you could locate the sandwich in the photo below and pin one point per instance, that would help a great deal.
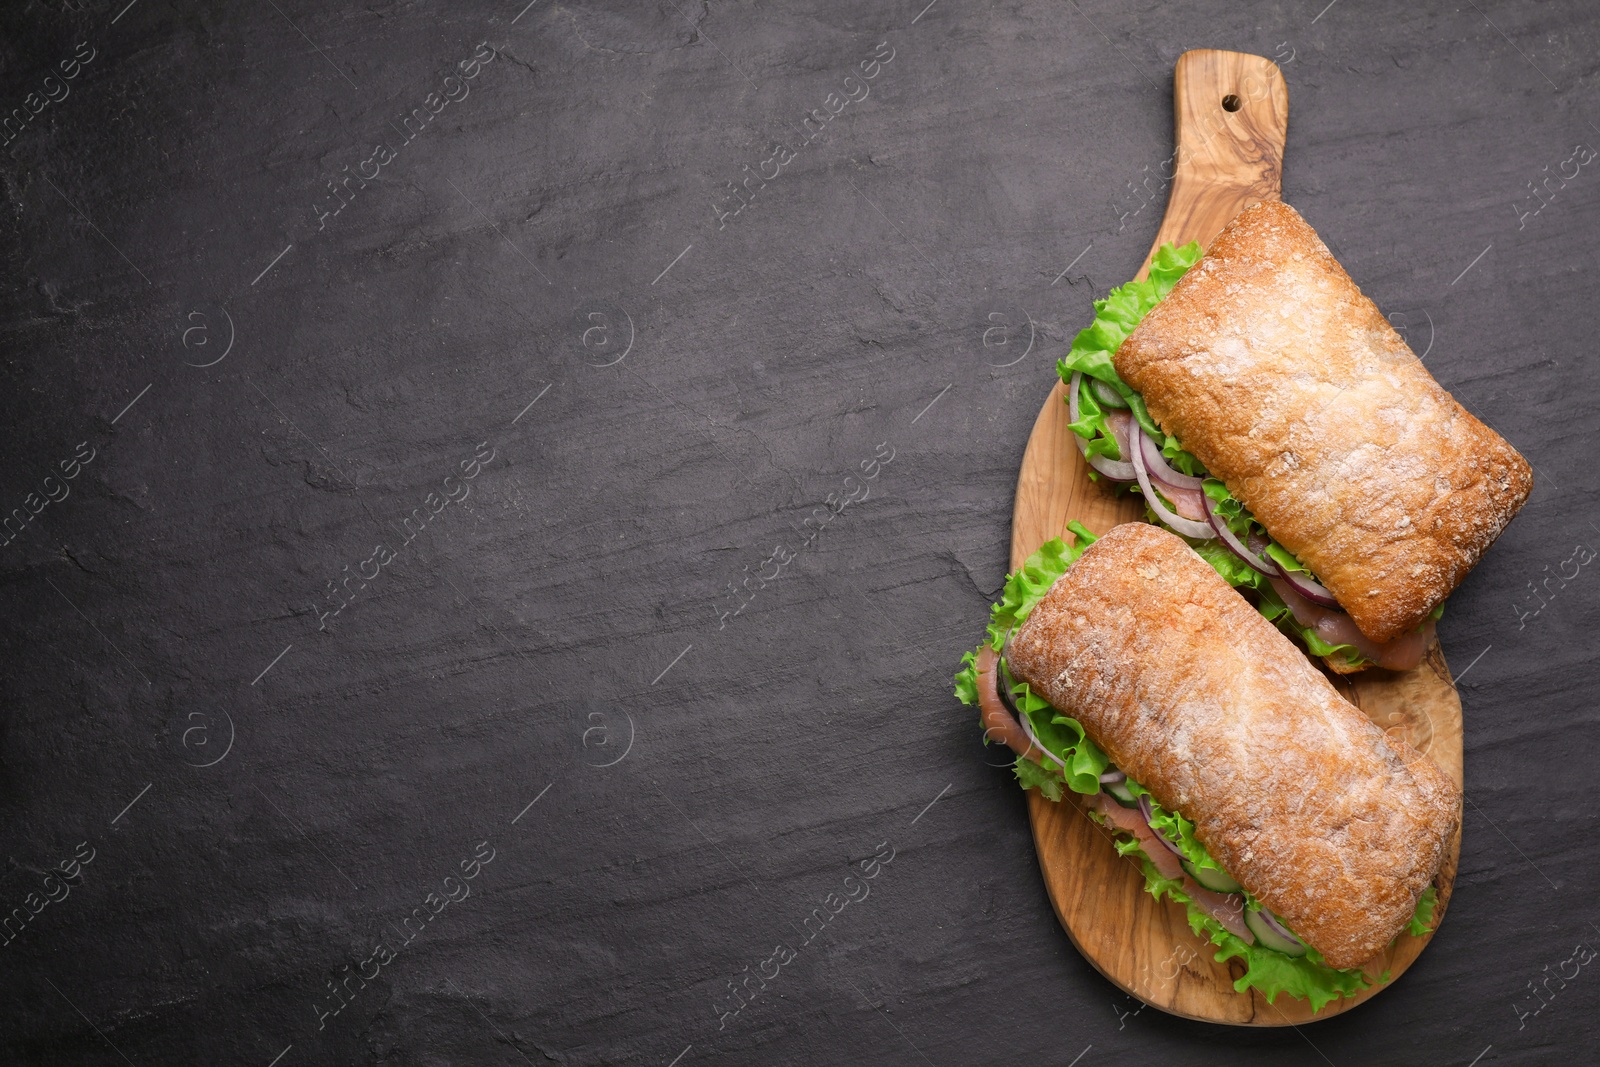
(1300, 837)
(1268, 413)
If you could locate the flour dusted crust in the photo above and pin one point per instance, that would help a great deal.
(1273, 368)
(1334, 825)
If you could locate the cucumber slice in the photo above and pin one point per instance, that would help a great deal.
(1216, 880)
(1261, 924)
(1104, 393)
(1121, 793)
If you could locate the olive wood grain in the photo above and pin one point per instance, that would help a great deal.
(1225, 161)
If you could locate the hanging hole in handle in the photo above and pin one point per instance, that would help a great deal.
(1231, 103)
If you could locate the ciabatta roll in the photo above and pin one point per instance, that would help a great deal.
(1276, 372)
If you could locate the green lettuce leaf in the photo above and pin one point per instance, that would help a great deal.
(1115, 317)
(1036, 776)
(967, 679)
(1234, 570)
(1305, 977)
(1061, 735)
(1284, 558)
(1422, 918)
(1064, 737)
(1154, 884)
(1029, 583)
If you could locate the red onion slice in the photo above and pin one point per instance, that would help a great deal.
(1156, 464)
(1145, 810)
(1219, 524)
(1112, 777)
(1201, 531)
(1115, 469)
(1308, 588)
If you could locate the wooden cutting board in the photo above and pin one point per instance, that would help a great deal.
(1231, 114)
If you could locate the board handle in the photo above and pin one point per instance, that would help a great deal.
(1230, 117)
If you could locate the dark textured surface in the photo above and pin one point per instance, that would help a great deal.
(518, 643)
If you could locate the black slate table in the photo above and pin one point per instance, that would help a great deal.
(420, 647)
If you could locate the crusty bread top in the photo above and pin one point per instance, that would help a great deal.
(1333, 824)
(1273, 368)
